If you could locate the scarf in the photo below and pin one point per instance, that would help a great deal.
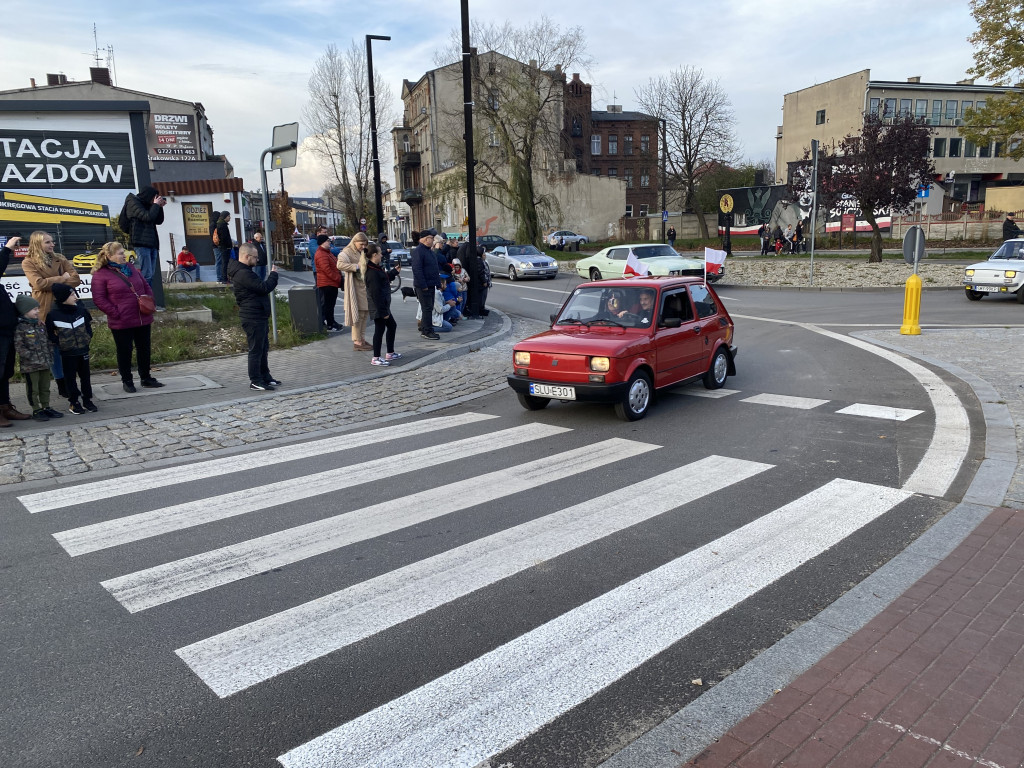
(125, 269)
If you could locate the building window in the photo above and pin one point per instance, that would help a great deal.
(492, 68)
(629, 211)
(577, 127)
(921, 108)
(595, 171)
(645, 143)
(627, 145)
(819, 117)
(905, 107)
(954, 147)
(965, 105)
(492, 136)
(628, 176)
(873, 105)
(998, 151)
(940, 148)
(985, 150)
(936, 112)
(643, 209)
(981, 105)
(890, 108)
(970, 149)
(492, 99)
(951, 106)
(613, 173)
(595, 144)
(613, 145)
(645, 179)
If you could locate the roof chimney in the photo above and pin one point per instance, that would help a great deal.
(968, 81)
(914, 79)
(100, 75)
(60, 79)
(33, 81)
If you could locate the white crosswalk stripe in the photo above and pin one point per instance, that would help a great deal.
(785, 401)
(91, 538)
(57, 498)
(491, 703)
(250, 654)
(880, 412)
(172, 581)
(714, 394)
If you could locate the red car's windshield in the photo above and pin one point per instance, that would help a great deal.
(621, 306)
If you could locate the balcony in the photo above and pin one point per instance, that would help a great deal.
(412, 195)
(411, 158)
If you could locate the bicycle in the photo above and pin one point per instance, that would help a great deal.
(177, 274)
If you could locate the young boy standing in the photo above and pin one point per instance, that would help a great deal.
(70, 328)
(36, 357)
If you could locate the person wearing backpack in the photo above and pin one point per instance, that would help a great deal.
(144, 213)
(222, 246)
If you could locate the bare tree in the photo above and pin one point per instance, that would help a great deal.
(338, 117)
(699, 130)
(518, 100)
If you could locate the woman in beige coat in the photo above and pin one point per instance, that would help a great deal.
(44, 269)
(356, 308)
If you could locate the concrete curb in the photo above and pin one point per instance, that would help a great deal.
(849, 289)
(687, 733)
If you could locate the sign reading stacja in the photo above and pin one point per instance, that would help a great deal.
(65, 159)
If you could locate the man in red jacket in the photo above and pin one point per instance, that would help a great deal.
(187, 261)
(328, 281)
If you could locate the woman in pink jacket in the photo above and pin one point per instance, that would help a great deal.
(116, 287)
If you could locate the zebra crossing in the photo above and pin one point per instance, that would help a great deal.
(492, 702)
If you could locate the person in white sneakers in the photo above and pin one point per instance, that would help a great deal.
(378, 298)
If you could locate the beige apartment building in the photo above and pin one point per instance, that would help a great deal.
(427, 158)
(831, 110)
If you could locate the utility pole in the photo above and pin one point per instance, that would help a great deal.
(467, 100)
(378, 204)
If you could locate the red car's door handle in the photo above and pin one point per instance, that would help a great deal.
(696, 329)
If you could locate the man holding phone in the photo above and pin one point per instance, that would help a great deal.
(145, 212)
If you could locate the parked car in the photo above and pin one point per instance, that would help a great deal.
(86, 261)
(617, 341)
(519, 261)
(492, 241)
(340, 241)
(660, 259)
(566, 239)
(1002, 274)
(400, 254)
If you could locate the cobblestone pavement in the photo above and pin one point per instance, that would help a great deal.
(113, 443)
(993, 355)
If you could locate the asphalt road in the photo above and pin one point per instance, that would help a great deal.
(534, 588)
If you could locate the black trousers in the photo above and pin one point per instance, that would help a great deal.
(6, 367)
(124, 340)
(77, 366)
(387, 325)
(426, 299)
(258, 336)
(328, 300)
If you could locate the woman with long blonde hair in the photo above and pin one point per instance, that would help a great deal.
(116, 287)
(356, 307)
(44, 268)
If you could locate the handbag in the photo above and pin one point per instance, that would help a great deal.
(147, 306)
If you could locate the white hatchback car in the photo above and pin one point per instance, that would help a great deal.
(1001, 275)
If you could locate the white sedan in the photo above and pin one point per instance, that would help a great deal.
(1001, 275)
(660, 259)
(519, 261)
(569, 239)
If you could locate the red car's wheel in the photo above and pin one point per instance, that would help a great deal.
(637, 400)
(531, 403)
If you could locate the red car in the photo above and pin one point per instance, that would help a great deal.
(616, 341)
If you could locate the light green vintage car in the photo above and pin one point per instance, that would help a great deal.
(660, 259)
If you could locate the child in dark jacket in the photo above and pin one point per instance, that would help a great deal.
(70, 329)
(36, 356)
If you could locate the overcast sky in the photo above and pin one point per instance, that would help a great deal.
(249, 67)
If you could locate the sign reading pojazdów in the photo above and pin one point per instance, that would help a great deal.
(65, 160)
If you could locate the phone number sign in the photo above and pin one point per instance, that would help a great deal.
(173, 137)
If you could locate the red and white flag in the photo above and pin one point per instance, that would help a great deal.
(634, 266)
(713, 261)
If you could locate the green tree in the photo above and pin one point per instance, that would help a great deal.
(999, 57)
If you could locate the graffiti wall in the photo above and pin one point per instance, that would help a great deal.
(775, 205)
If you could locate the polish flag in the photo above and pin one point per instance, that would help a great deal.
(634, 266)
(713, 261)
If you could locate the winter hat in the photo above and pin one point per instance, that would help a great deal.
(321, 239)
(61, 292)
(25, 304)
(146, 194)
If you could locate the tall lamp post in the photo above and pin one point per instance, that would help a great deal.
(379, 206)
(664, 153)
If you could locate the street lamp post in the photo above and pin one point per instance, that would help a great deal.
(379, 206)
(664, 152)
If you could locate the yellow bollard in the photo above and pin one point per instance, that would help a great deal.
(912, 307)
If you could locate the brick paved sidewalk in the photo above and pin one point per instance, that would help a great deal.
(935, 679)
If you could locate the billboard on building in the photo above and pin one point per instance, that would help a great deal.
(174, 137)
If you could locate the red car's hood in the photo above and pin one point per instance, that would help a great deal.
(606, 341)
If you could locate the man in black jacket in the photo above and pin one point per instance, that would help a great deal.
(145, 212)
(254, 296)
(8, 321)
(1010, 228)
(425, 279)
(222, 249)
